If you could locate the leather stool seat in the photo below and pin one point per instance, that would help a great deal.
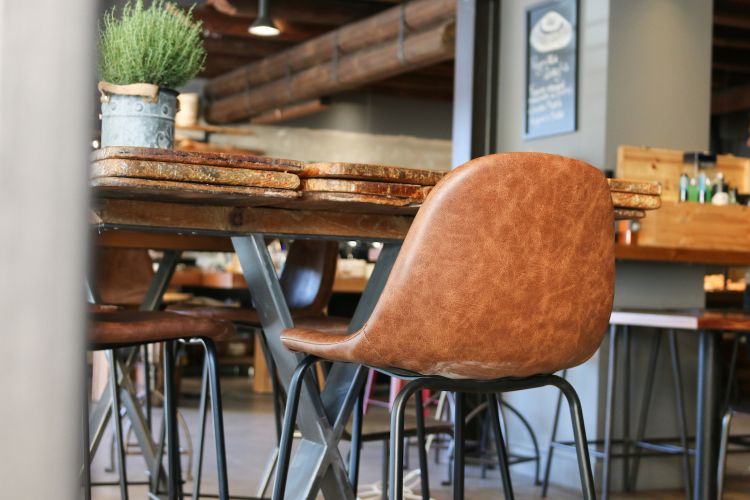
(121, 327)
(332, 325)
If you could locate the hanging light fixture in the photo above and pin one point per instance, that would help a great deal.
(263, 24)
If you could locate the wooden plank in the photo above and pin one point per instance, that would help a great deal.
(689, 255)
(635, 200)
(697, 226)
(364, 172)
(412, 192)
(627, 214)
(161, 241)
(665, 167)
(216, 159)
(186, 172)
(230, 221)
(372, 31)
(187, 192)
(634, 186)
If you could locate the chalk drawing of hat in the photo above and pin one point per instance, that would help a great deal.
(551, 32)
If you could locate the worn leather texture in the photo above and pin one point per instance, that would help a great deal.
(122, 276)
(507, 271)
(117, 328)
(306, 281)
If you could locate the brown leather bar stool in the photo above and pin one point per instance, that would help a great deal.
(505, 277)
(307, 283)
(112, 329)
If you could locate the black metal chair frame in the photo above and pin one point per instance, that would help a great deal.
(169, 427)
(633, 448)
(416, 382)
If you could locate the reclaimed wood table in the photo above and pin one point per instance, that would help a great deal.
(204, 195)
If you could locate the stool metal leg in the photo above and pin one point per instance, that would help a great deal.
(287, 434)
(609, 411)
(118, 424)
(579, 433)
(170, 418)
(458, 449)
(502, 455)
(553, 438)
(682, 419)
(203, 412)
(356, 443)
(726, 423)
(86, 438)
(645, 405)
(532, 435)
(423, 465)
(147, 385)
(626, 409)
(396, 462)
(216, 416)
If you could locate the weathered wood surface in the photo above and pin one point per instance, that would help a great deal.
(161, 241)
(627, 214)
(187, 192)
(228, 221)
(634, 186)
(412, 192)
(187, 172)
(634, 200)
(368, 32)
(365, 172)
(215, 159)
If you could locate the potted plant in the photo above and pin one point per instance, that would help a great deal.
(143, 56)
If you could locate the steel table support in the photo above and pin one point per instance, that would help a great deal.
(317, 465)
(102, 409)
(707, 424)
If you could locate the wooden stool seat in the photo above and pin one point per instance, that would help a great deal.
(121, 327)
(688, 319)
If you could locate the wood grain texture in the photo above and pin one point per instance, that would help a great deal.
(186, 192)
(343, 199)
(634, 186)
(389, 189)
(229, 221)
(696, 225)
(674, 254)
(216, 159)
(627, 213)
(633, 200)
(187, 172)
(161, 241)
(364, 172)
(696, 320)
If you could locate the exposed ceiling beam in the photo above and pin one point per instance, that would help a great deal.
(216, 23)
(331, 12)
(730, 100)
(732, 17)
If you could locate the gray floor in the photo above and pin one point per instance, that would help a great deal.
(250, 437)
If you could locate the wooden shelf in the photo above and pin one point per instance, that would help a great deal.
(212, 129)
(687, 255)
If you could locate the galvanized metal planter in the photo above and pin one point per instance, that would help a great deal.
(138, 115)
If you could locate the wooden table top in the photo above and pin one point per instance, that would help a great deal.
(719, 321)
(224, 194)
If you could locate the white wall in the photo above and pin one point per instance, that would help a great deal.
(46, 63)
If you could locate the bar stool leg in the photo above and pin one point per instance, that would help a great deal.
(553, 438)
(726, 423)
(203, 412)
(86, 440)
(170, 418)
(396, 462)
(423, 465)
(502, 455)
(609, 411)
(458, 449)
(287, 434)
(645, 405)
(682, 419)
(579, 432)
(118, 423)
(532, 435)
(147, 386)
(626, 410)
(356, 442)
(216, 416)
(278, 394)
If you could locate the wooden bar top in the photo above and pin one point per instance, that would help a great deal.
(719, 321)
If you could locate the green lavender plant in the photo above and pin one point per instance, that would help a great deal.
(160, 44)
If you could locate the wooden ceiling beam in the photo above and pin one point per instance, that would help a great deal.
(730, 100)
(328, 12)
(732, 18)
(216, 23)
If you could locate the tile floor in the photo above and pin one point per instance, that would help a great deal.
(250, 437)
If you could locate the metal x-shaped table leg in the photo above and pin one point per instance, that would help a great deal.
(317, 465)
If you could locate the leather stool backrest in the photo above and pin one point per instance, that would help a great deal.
(507, 270)
(308, 274)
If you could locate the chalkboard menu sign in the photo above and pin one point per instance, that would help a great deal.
(551, 69)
